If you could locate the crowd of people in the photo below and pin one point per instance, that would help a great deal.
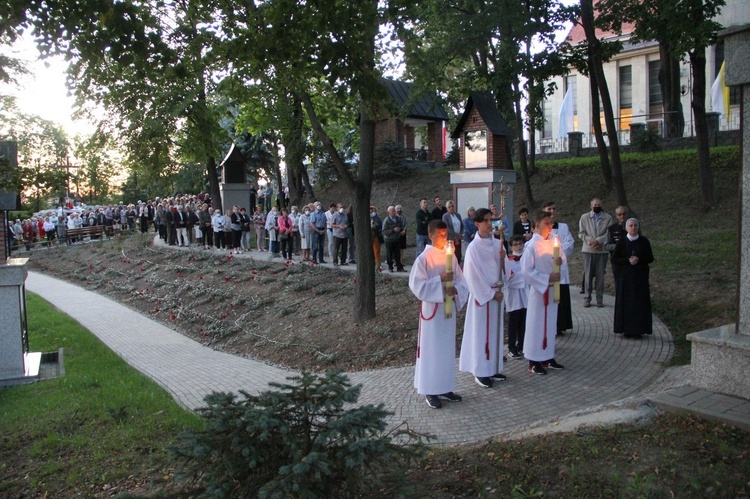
(493, 269)
(525, 274)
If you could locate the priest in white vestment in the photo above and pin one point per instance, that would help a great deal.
(482, 344)
(434, 375)
(541, 316)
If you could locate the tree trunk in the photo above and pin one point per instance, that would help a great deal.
(213, 182)
(294, 146)
(669, 83)
(698, 65)
(310, 194)
(595, 60)
(361, 189)
(521, 148)
(364, 299)
(601, 146)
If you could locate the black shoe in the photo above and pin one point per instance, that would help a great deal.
(560, 333)
(537, 369)
(450, 396)
(554, 365)
(484, 382)
(513, 354)
(352, 261)
(390, 269)
(499, 377)
(433, 401)
(401, 269)
(323, 261)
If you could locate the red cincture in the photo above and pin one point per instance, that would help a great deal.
(546, 302)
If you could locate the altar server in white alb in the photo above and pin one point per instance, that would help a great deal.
(435, 373)
(482, 345)
(537, 265)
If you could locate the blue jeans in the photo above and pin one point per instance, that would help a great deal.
(422, 241)
(319, 245)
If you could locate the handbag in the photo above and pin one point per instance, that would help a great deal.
(198, 232)
(284, 236)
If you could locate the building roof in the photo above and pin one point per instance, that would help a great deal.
(576, 34)
(234, 155)
(425, 108)
(487, 109)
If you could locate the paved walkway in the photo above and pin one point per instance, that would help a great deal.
(601, 368)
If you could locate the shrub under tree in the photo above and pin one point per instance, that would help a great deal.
(298, 440)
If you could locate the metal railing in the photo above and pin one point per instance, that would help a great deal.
(555, 145)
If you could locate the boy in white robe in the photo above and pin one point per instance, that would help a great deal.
(434, 374)
(541, 318)
(482, 344)
(516, 293)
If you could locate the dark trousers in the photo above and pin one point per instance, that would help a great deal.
(163, 231)
(319, 246)
(219, 239)
(393, 254)
(236, 238)
(208, 235)
(340, 244)
(171, 234)
(516, 329)
(286, 247)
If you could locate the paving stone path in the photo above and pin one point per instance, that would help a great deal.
(601, 368)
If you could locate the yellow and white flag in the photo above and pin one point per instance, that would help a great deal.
(720, 94)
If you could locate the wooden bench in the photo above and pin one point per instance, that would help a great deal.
(89, 230)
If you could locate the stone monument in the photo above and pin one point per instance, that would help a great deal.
(486, 175)
(719, 355)
(17, 365)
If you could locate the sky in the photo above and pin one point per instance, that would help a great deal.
(43, 91)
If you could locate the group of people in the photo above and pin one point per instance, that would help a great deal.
(525, 275)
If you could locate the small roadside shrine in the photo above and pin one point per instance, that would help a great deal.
(234, 187)
(486, 175)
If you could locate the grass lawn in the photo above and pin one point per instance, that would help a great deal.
(100, 428)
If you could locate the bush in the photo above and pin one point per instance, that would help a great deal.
(453, 158)
(645, 140)
(389, 161)
(296, 441)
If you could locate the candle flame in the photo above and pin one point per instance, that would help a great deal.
(449, 247)
(556, 241)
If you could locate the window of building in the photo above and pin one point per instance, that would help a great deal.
(655, 101)
(570, 83)
(475, 149)
(547, 110)
(626, 97)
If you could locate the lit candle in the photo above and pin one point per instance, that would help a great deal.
(448, 268)
(556, 268)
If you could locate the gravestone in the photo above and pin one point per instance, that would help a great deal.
(719, 355)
